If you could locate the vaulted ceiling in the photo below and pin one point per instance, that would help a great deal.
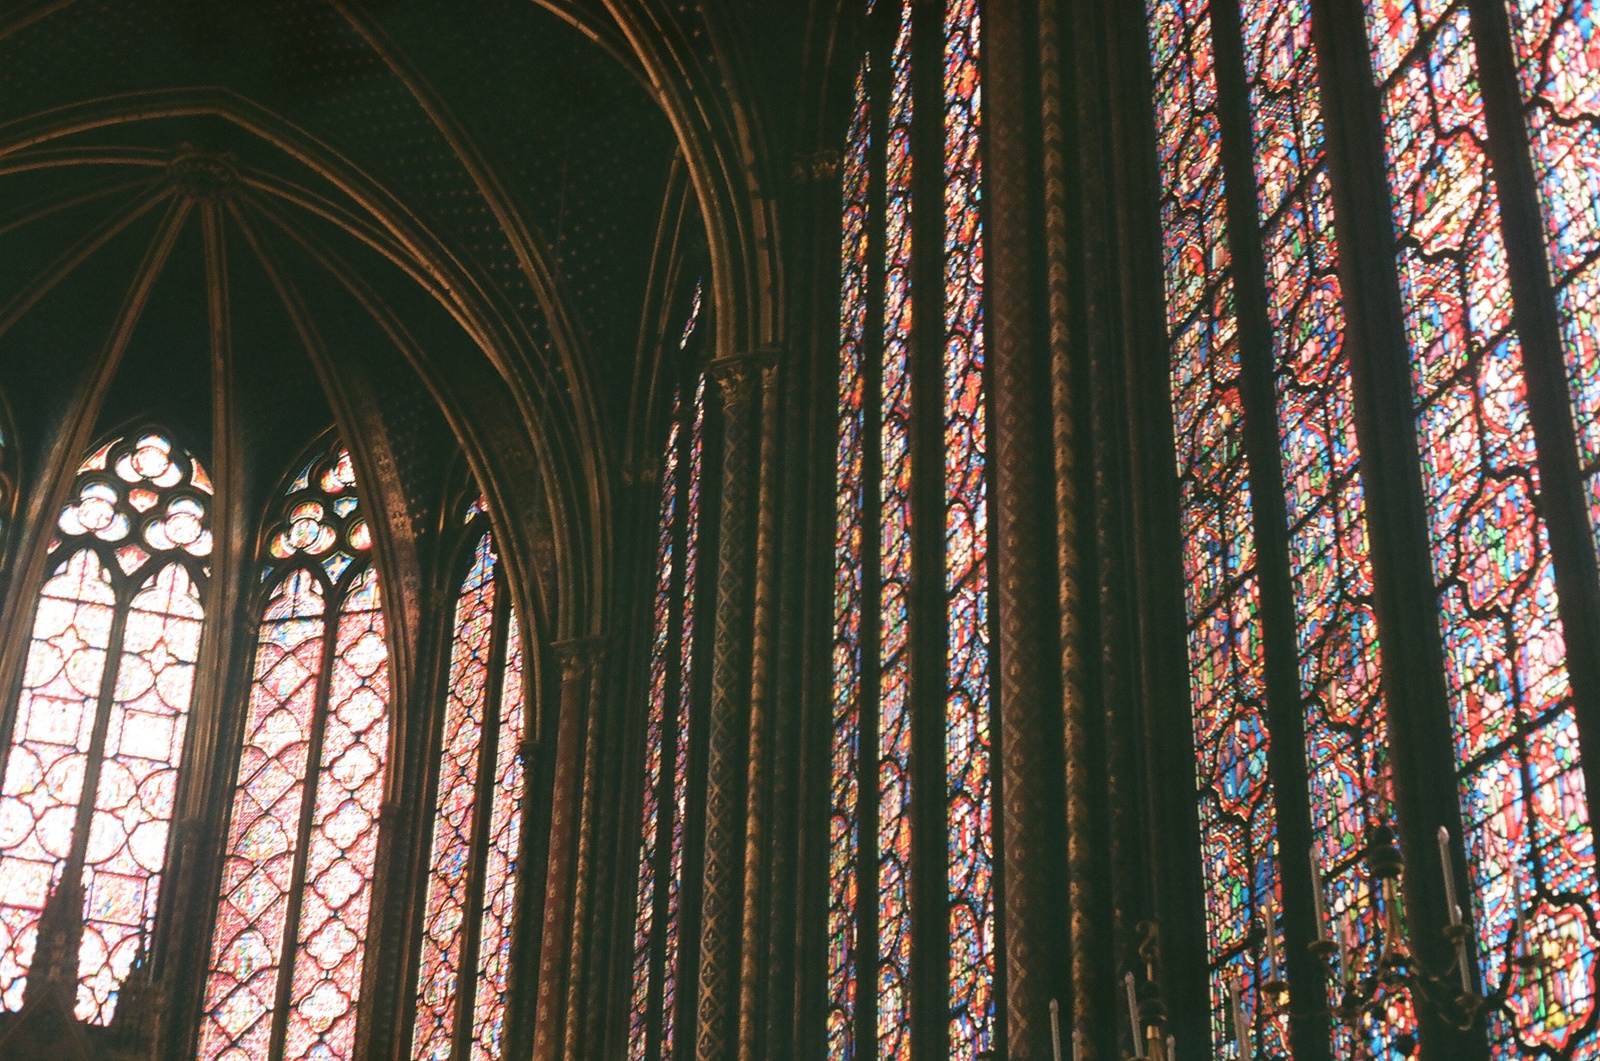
(443, 218)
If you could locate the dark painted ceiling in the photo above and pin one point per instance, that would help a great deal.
(527, 159)
(495, 127)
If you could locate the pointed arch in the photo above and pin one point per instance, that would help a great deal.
(100, 721)
(288, 946)
(468, 916)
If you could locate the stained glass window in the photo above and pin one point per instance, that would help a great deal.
(287, 950)
(1329, 558)
(1238, 817)
(1523, 795)
(476, 826)
(871, 925)
(1558, 63)
(90, 780)
(893, 855)
(1522, 790)
(844, 828)
(658, 921)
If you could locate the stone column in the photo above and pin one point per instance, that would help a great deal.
(1030, 785)
(758, 794)
(583, 878)
(738, 384)
(576, 658)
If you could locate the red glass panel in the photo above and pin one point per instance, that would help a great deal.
(450, 866)
(343, 842)
(44, 771)
(264, 831)
(968, 736)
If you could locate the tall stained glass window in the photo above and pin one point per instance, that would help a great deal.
(1524, 806)
(91, 776)
(1557, 54)
(876, 789)
(471, 883)
(1523, 796)
(659, 929)
(286, 958)
(1238, 816)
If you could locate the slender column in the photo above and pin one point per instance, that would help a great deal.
(1078, 1011)
(576, 658)
(738, 384)
(1097, 823)
(1031, 795)
(1123, 213)
(798, 595)
(613, 868)
(758, 795)
(583, 879)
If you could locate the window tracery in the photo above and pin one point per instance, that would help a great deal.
(288, 946)
(91, 774)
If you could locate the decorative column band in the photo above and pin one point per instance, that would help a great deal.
(738, 383)
(1030, 802)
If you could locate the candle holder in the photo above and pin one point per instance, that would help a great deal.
(1147, 1011)
(1364, 989)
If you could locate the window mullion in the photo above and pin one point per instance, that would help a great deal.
(1285, 714)
(1549, 404)
(71, 883)
(333, 612)
(930, 962)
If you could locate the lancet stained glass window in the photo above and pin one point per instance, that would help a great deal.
(1522, 790)
(91, 777)
(287, 949)
(463, 966)
(658, 912)
(849, 604)
(1523, 795)
(1330, 566)
(872, 967)
(1238, 816)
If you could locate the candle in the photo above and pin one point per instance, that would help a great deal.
(1172, 1049)
(1447, 867)
(1133, 1014)
(1516, 906)
(1317, 905)
(1241, 1030)
(1269, 916)
(1346, 973)
(1055, 1029)
(1077, 1044)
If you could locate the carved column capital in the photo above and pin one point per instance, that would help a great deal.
(738, 378)
(578, 655)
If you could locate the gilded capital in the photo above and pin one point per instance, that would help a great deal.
(577, 655)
